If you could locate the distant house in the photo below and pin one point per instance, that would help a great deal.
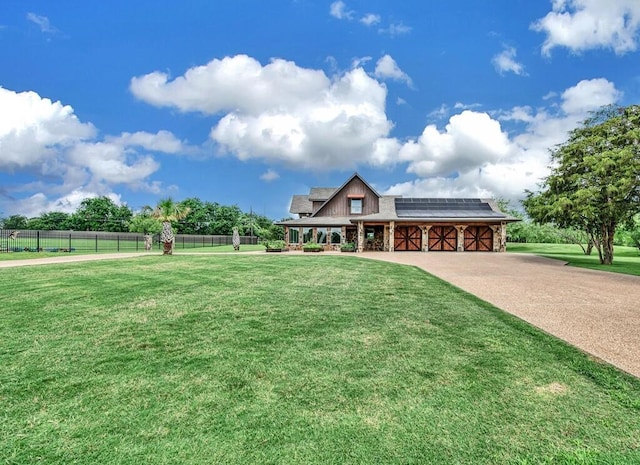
(356, 213)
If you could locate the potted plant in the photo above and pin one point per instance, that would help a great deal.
(312, 247)
(274, 245)
(348, 247)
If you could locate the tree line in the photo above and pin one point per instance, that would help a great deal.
(102, 214)
(527, 230)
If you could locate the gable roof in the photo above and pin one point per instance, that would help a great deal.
(346, 183)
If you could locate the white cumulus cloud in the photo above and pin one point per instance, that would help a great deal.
(589, 95)
(387, 68)
(162, 141)
(474, 156)
(469, 140)
(505, 62)
(339, 10)
(45, 141)
(33, 130)
(370, 19)
(582, 25)
(269, 175)
(279, 111)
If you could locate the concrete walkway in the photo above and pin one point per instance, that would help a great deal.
(598, 312)
(70, 258)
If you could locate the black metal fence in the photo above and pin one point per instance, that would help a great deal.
(94, 241)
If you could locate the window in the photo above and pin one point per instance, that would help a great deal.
(356, 206)
(294, 235)
(322, 236)
(336, 235)
(307, 235)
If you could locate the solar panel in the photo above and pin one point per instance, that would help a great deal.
(444, 208)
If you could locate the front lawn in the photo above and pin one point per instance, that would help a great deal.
(290, 359)
(22, 255)
(625, 259)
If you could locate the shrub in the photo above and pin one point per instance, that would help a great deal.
(311, 246)
(275, 244)
(348, 247)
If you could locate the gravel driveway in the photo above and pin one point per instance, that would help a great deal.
(598, 312)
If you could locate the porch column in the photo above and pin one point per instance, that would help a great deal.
(343, 235)
(496, 237)
(425, 238)
(360, 236)
(392, 235)
(286, 234)
(503, 237)
(460, 238)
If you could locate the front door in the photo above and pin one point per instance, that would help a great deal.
(443, 238)
(407, 238)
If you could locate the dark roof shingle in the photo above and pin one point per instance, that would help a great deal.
(300, 204)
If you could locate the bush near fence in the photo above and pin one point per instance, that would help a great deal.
(97, 241)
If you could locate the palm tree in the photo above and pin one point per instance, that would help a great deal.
(167, 211)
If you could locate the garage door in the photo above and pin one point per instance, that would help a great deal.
(407, 238)
(478, 239)
(443, 238)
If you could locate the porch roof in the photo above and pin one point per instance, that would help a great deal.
(318, 221)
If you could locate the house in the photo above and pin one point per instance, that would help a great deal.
(355, 212)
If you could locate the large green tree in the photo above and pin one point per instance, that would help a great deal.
(594, 184)
(51, 221)
(226, 218)
(200, 218)
(15, 222)
(101, 214)
(168, 211)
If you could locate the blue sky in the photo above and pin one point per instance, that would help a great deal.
(248, 102)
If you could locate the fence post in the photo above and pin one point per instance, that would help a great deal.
(38, 241)
(96, 243)
(136, 243)
(118, 242)
(69, 242)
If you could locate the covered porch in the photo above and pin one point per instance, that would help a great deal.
(393, 236)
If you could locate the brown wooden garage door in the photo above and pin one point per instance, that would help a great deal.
(443, 238)
(407, 238)
(478, 239)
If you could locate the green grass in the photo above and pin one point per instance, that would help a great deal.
(196, 250)
(222, 249)
(625, 259)
(290, 359)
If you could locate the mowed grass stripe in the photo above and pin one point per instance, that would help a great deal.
(290, 359)
(626, 260)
